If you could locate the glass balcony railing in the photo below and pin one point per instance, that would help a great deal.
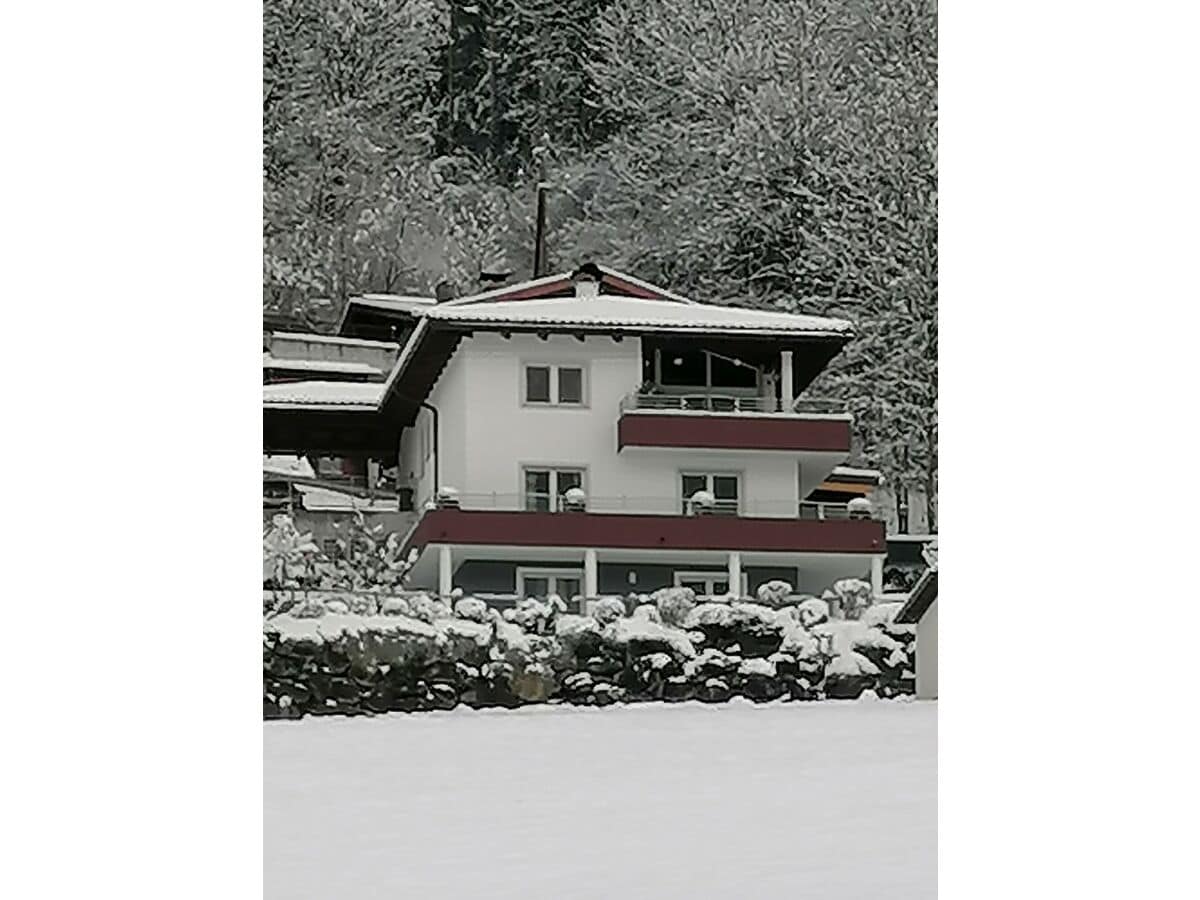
(716, 402)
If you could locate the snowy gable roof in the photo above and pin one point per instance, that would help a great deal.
(611, 282)
(349, 394)
(636, 314)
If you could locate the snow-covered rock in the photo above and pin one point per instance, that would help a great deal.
(623, 632)
(763, 667)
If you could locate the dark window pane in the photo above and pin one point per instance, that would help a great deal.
(537, 384)
(537, 489)
(725, 487)
(567, 480)
(537, 587)
(693, 483)
(700, 587)
(727, 374)
(567, 587)
(684, 368)
(720, 588)
(570, 385)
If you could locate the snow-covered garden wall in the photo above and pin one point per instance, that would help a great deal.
(361, 653)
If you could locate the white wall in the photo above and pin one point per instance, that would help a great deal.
(488, 435)
(451, 400)
(927, 654)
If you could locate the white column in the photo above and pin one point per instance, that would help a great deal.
(445, 571)
(591, 580)
(877, 575)
(735, 573)
(786, 398)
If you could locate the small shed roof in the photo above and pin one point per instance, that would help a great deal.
(323, 393)
(922, 597)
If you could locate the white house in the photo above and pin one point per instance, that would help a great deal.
(589, 434)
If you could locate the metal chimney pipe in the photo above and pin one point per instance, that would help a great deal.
(539, 233)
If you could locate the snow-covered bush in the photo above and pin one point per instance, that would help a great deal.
(338, 653)
(426, 608)
(813, 611)
(647, 612)
(608, 609)
(367, 560)
(853, 595)
(473, 610)
(536, 615)
(774, 593)
(394, 606)
(308, 608)
(674, 604)
(288, 555)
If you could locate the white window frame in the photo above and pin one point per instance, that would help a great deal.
(554, 367)
(553, 469)
(708, 577)
(550, 574)
(708, 481)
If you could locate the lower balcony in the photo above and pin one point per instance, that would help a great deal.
(640, 530)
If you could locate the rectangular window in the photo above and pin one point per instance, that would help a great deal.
(537, 384)
(707, 584)
(554, 385)
(725, 489)
(567, 583)
(570, 385)
(544, 488)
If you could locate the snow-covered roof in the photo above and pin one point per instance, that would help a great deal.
(322, 499)
(618, 282)
(923, 595)
(851, 472)
(300, 337)
(324, 393)
(348, 367)
(287, 465)
(610, 311)
(394, 301)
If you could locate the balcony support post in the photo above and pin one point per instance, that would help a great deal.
(786, 397)
(877, 575)
(591, 581)
(445, 571)
(735, 573)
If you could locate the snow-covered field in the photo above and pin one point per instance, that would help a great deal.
(830, 800)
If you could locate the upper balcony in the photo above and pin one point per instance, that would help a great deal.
(731, 421)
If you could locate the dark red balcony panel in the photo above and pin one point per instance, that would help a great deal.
(645, 532)
(735, 432)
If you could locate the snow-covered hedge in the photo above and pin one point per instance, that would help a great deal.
(341, 653)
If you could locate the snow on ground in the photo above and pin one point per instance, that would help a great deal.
(831, 799)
